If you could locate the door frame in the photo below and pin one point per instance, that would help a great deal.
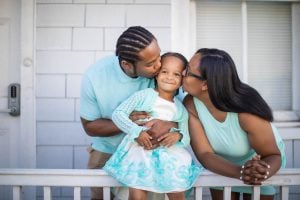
(27, 137)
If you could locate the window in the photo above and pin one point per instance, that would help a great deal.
(261, 37)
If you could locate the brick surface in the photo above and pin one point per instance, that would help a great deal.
(163, 36)
(53, 38)
(62, 62)
(60, 15)
(105, 16)
(81, 157)
(90, 1)
(111, 36)
(153, 1)
(53, 1)
(149, 16)
(77, 110)
(88, 39)
(55, 109)
(61, 133)
(55, 157)
(73, 85)
(55, 89)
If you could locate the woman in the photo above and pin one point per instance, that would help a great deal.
(229, 124)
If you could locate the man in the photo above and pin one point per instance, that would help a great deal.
(110, 81)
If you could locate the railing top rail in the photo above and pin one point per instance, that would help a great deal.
(88, 172)
(88, 178)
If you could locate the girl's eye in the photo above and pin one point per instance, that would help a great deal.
(178, 75)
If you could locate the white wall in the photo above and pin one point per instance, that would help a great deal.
(71, 35)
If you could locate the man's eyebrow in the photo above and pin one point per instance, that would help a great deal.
(153, 60)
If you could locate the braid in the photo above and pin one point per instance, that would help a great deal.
(131, 42)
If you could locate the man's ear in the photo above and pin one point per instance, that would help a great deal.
(127, 66)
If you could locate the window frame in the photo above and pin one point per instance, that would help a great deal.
(184, 41)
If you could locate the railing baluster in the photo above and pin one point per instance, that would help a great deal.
(77, 193)
(17, 192)
(106, 193)
(284, 192)
(198, 193)
(47, 193)
(256, 193)
(227, 193)
(47, 178)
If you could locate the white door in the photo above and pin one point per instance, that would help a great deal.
(9, 73)
(17, 133)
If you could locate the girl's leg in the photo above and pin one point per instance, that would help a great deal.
(176, 196)
(262, 197)
(218, 195)
(136, 194)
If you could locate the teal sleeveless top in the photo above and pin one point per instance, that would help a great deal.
(230, 141)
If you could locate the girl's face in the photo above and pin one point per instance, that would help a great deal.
(170, 75)
(192, 82)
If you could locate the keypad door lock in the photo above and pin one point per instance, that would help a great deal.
(14, 95)
(13, 99)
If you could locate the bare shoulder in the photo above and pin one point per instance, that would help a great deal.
(249, 121)
(188, 102)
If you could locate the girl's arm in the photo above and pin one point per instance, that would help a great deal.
(121, 115)
(202, 148)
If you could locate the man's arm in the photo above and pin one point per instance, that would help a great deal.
(100, 128)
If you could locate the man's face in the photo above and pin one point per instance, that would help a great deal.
(149, 63)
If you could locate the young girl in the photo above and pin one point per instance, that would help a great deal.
(168, 168)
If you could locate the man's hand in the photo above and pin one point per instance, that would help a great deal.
(169, 139)
(159, 128)
(139, 117)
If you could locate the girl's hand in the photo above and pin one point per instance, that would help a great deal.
(169, 139)
(144, 140)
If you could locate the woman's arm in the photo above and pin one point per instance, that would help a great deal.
(262, 140)
(202, 148)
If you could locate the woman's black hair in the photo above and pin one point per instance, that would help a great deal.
(131, 42)
(225, 89)
(177, 55)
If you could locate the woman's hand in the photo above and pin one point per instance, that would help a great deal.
(169, 139)
(255, 171)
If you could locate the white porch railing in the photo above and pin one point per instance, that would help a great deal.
(78, 178)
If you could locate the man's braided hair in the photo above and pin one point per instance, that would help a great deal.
(131, 42)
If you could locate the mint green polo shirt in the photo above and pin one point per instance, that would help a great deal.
(104, 86)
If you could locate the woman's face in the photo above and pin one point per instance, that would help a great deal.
(192, 81)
